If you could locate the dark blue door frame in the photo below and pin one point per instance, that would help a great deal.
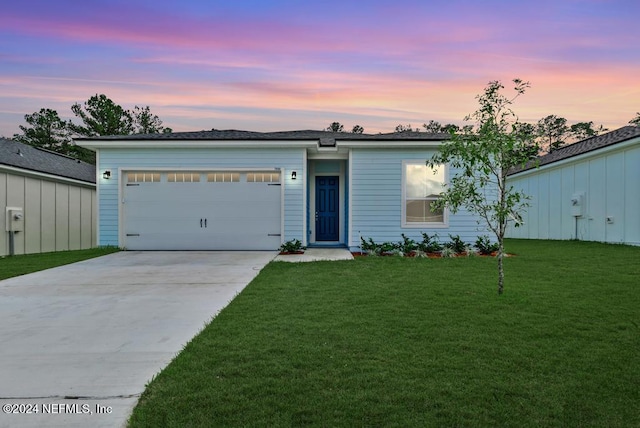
(327, 211)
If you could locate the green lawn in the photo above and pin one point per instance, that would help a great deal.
(22, 264)
(418, 342)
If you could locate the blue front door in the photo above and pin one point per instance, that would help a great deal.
(327, 216)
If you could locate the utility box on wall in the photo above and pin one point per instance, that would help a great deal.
(15, 219)
(578, 204)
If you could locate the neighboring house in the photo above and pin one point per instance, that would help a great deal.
(239, 190)
(50, 198)
(589, 191)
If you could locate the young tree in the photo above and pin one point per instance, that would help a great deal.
(636, 120)
(101, 116)
(483, 154)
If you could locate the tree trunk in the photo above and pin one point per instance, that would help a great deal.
(500, 267)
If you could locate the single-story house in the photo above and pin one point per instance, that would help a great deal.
(48, 201)
(240, 190)
(589, 191)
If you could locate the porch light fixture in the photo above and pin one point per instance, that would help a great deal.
(106, 175)
(293, 175)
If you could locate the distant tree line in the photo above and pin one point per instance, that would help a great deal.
(98, 116)
(548, 134)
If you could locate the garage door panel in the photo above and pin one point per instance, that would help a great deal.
(144, 225)
(214, 241)
(244, 209)
(247, 239)
(165, 215)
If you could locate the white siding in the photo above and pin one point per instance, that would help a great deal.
(48, 205)
(614, 194)
(376, 199)
(567, 186)
(52, 218)
(555, 207)
(596, 199)
(62, 217)
(610, 181)
(544, 209)
(15, 198)
(116, 160)
(32, 221)
(631, 211)
(87, 211)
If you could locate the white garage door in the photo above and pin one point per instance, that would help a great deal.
(213, 210)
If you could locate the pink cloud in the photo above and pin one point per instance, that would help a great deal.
(396, 63)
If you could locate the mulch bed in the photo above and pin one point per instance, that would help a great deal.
(430, 255)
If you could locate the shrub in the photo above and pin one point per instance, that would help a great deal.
(407, 245)
(373, 248)
(456, 244)
(485, 246)
(291, 246)
(448, 252)
(429, 244)
(387, 247)
(369, 246)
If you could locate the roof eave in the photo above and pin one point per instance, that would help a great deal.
(94, 144)
(390, 144)
(193, 143)
(39, 174)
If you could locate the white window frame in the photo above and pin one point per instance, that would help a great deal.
(222, 177)
(183, 177)
(144, 176)
(273, 176)
(413, 225)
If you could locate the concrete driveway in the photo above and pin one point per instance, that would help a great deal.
(79, 342)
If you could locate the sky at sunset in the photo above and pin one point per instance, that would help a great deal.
(283, 64)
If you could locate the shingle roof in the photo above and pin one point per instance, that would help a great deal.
(232, 134)
(590, 144)
(15, 154)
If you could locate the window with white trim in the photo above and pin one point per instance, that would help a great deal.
(183, 177)
(422, 186)
(223, 177)
(143, 177)
(263, 177)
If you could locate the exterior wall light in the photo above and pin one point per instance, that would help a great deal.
(106, 175)
(293, 175)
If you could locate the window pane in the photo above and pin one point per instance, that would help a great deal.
(420, 212)
(183, 177)
(422, 181)
(223, 177)
(143, 177)
(263, 177)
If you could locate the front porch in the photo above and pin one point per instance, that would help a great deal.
(317, 254)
